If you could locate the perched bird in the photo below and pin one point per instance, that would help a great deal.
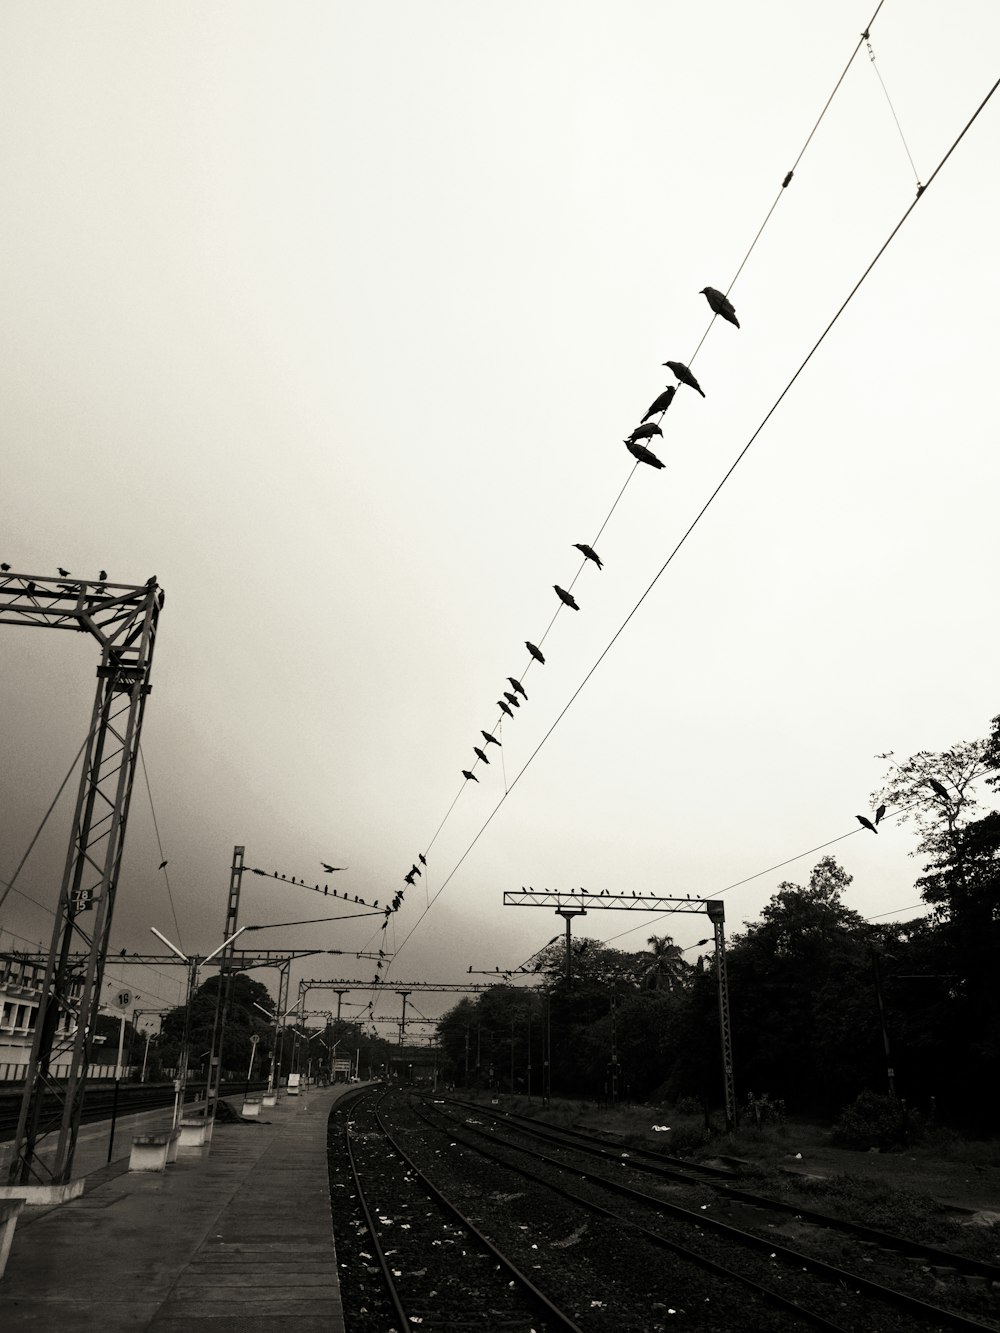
(879, 813)
(409, 879)
(29, 586)
(481, 754)
(4, 567)
(421, 858)
(866, 823)
(536, 653)
(490, 740)
(414, 870)
(590, 553)
(662, 403)
(331, 869)
(721, 304)
(684, 375)
(643, 454)
(565, 597)
(63, 573)
(939, 788)
(512, 699)
(644, 432)
(505, 707)
(103, 575)
(469, 777)
(519, 688)
(162, 865)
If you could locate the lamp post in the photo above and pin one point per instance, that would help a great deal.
(194, 963)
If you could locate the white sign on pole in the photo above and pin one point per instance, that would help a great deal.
(123, 999)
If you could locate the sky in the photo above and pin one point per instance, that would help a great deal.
(334, 318)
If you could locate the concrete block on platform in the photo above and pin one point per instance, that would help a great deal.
(149, 1151)
(44, 1195)
(269, 1099)
(251, 1108)
(10, 1210)
(192, 1132)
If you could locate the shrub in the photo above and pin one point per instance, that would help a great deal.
(872, 1120)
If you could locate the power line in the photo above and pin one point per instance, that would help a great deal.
(159, 844)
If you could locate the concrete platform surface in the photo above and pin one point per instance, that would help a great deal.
(235, 1237)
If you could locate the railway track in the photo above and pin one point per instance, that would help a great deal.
(99, 1101)
(845, 1298)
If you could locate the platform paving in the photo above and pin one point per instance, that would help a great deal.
(234, 1238)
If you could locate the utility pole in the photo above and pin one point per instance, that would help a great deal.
(877, 972)
(402, 1021)
(225, 982)
(568, 913)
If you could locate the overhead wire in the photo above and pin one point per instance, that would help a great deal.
(712, 497)
(159, 844)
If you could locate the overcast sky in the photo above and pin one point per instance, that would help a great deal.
(334, 318)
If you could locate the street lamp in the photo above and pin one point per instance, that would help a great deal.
(194, 963)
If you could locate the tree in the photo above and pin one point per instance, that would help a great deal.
(669, 971)
(908, 786)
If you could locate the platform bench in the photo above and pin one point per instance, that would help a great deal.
(152, 1152)
(9, 1212)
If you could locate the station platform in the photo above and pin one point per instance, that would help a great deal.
(235, 1238)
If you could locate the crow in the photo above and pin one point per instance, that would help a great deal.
(103, 575)
(684, 375)
(590, 553)
(866, 823)
(421, 858)
(511, 699)
(939, 788)
(661, 403)
(4, 567)
(536, 653)
(29, 587)
(519, 688)
(63, 573)
(721, 304)
(565, 597)
(414, 870)
(879, 813)
(644, 455)
(505, 707)
(644, 432)
(490, 740)
(481, 754)
(331, 869)
(162, 865)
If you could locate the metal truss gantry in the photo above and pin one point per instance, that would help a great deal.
(578, 902)
(123, 619)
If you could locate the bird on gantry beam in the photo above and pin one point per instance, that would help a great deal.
(684, 375)
(644, 455)
(63, 573)
(662, 403)
(103, 575)
(879, 814)
(866, 823)
(469, 777)
(644, 432)
(939, 788)
(589, 552)
(721, 304)
(481, 754)
(4, 568)
(566, 598)
(162, 865)
(29, 587)
(512, 699)
(332, 869)
(519, 688)
(490, 740)
(506, 707)
(536, 653)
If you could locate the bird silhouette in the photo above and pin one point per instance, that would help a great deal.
(332, 869)
(939, 788)
(512, 699)
(590, 553)
(103, 575)
(409, 879)
(519, 688)
(684, 375)
(414, 870)
(490, 740)
(421, 858)
(644, 432)
(63, 573)
(866, 823)
(644, 455)
(565, 597)
(4, 567)
(536, 653)
(505, 707)
(162, 865)
(879, 813)
(721, 304)
(29, 586)
(661, 403)
(481, 754)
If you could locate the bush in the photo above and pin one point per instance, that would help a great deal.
(872, 1120)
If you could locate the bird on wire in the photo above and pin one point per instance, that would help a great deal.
(566, 598)
(720, 303)
(684, 375)
(481, 754)
(939, 788)
(63, 573)
(590, 553)
(512, 699)
(879, 814)
(332, 869)
(469, 777)
(162, 865)
(662, 403)
(506, 707)
(644, 432)
(518, 687)
(536, 653)
(409, 879)
(490, 740)
(414, 870)
(421, 858)
(644, 455)
(866, 823)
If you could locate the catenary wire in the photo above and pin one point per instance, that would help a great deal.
(159, 844)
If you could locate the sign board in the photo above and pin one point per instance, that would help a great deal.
(342, 1066)
(123, 999)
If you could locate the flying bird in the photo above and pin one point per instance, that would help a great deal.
(643, 454)
(505, 707)
(866, 823)
(512, 699)
(939, 788)
(490, 740)
(590, 553)
(518, 687)
(721, 304)
(161, 865)
(536, 653)
(103, 575)
(481, 754)
(662, 403)
(565, 597)
(684, 375)
(63, 573)
(469, 777)
(644, 432)
(879, 814)
(331, 869)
